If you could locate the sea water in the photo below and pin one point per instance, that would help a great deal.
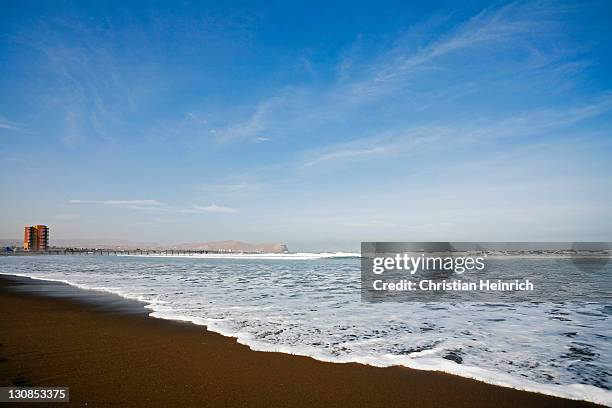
(310, 304)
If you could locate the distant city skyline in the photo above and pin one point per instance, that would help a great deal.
(316, 125)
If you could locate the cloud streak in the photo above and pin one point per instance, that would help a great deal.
(10, 125)
(213, 208)
(158, 206)
(524, 29)
(524, 124)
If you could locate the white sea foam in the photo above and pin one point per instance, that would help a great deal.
(300, 256)
(312, 308)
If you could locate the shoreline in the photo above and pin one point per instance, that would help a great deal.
(157, 361)
(573, 391)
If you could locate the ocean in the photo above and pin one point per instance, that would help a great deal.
(310, 304)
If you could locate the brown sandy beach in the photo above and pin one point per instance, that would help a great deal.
(113, 355)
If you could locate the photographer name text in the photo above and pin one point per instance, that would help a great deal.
(429, 285)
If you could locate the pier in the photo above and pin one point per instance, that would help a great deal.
(115, 252)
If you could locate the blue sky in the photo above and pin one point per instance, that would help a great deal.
(319, 125)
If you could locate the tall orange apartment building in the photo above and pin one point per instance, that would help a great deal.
(36, 238)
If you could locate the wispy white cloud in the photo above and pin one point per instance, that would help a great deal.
(254, 126)
(90, 86)
(213, 208)
(534, 123)
(10, 125)
(233, 186)
(379, 146)
(154, 203)
(524, 124)
(523, 29)
(348, 152)
(157, 206)
(491, 27)
(143, 203)
(140, 205)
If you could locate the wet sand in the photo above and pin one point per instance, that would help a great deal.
(110, 353)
